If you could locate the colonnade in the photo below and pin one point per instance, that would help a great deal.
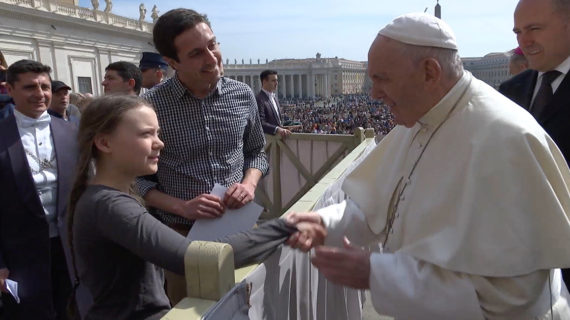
(292, 85)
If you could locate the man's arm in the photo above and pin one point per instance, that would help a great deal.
(255, 163)
(254, 141)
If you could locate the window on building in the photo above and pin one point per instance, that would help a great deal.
(85, 85)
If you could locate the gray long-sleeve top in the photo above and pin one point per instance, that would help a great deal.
(119, 248)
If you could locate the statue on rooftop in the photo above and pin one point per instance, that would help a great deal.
(154, 14)
(109, 6)
(142, 12)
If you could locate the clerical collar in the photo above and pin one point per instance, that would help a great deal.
(439, 112)
(24, 121)
(269, 93)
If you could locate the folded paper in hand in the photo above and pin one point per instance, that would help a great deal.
(231, 222)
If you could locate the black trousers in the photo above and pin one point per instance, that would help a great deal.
(61, 288)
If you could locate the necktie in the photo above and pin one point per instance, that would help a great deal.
(544, 94)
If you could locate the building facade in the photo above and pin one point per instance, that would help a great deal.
(78, 43)
(492, 69)
(304, 78)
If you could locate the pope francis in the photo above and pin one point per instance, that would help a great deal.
(461, 211)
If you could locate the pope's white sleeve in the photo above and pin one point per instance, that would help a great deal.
(346, 219)
(406, 288)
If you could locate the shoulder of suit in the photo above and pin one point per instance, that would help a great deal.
(523, 77)
(262, 94)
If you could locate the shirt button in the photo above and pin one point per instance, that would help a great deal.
(40, 143)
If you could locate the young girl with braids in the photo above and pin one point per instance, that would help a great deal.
(118, 247)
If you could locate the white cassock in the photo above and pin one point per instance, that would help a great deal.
(480, 225)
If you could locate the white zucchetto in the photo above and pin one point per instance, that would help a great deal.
(420, 29)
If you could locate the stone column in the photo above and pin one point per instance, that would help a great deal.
(248, 80)
(311, 85)
(327, 90)
(290, 85)
(300, 86)
(282, 89)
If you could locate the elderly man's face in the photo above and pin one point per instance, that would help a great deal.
(542, 33)
(396, 81)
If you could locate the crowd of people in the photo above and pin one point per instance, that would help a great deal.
(338, 115)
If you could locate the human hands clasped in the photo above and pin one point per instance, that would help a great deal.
(311, 232)
(348, 266)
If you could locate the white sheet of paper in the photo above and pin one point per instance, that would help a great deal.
(13, 289)
(231, 222)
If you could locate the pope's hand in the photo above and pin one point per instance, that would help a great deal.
(311, 232)
(348, 266)
(309, 236)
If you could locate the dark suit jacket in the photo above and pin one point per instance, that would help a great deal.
(24, 234)
(269, 117)
(556, 118)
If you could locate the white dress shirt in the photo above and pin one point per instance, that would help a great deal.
(37, 141)
(273, 102)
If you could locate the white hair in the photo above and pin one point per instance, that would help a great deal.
(448, 59)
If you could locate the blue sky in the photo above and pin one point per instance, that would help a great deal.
(301, 28)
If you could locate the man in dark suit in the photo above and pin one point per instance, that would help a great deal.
(543, 33)
(37, 154)
(269, 105)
